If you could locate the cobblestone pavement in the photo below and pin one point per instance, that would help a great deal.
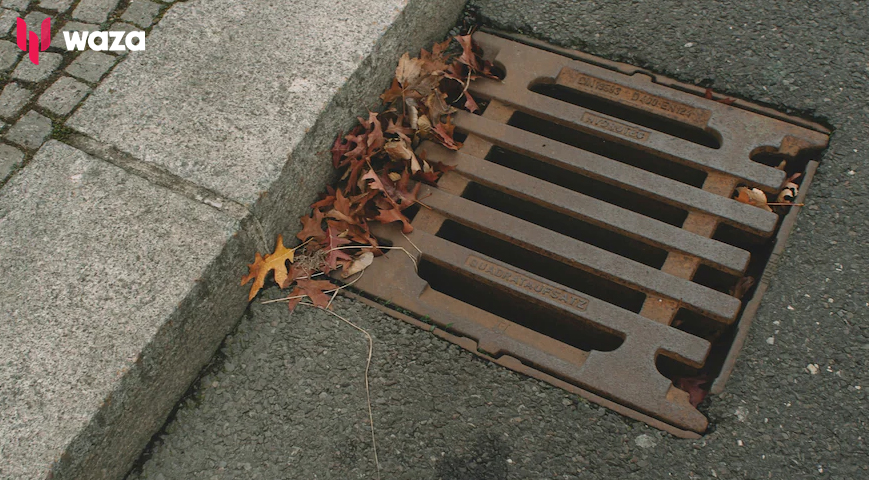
(36, 100)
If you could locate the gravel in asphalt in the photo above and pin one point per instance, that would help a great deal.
(288, 400)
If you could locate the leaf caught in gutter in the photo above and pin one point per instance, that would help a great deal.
(752, 196)
(361, 262)
(276, 261)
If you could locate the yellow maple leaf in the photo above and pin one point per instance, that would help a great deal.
(261, 266)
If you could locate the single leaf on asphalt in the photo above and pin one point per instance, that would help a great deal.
(315, 290)
(276, 261)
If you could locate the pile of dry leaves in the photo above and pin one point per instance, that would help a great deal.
(381, 174)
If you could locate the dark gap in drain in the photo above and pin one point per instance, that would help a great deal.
(739, 238)
(616, 151)
(714, 279)
(792, 165)
(628, 114)
(698, 325)
(588, 186)
(567, 225)
(545, 267)
(543, 319)
(674, 369)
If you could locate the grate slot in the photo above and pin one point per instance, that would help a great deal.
(545, 267)
(614, 109)
(583, 256)
(611, 194)
(565, 225)
(619, 174)
(626, 154)
(554, 323)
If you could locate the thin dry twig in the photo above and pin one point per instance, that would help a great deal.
(335, 290)
(367, 368)
(411, 242)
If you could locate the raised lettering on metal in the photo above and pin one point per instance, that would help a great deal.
(625, 95)
(506, 276)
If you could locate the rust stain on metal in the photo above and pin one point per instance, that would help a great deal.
(529, 259)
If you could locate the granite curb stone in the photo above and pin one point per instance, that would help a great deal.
(114, 295)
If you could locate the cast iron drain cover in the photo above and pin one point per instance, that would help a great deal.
(588, 237)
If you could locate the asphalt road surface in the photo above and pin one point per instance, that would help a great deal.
(288, 401)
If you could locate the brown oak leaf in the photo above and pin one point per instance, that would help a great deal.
(276, 261)
(312, 227)
(316, 290)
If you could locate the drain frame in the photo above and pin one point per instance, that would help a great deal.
(624, 382)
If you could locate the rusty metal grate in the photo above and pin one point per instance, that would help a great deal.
(587, 236)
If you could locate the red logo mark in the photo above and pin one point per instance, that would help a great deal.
(36, 45)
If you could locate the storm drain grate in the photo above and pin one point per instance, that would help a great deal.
(587, 236)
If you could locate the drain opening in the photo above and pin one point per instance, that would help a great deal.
(545, 267)
(567, 225)
(612, 150)
(483, 222)
(547, 321)
(588, 186)
(639, 117)
(714, 279)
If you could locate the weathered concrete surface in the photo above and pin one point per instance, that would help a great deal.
(103, 320)
(115, 323)
(227, 90)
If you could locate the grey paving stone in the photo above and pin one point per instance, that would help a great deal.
(30, 72)
(20, 5)
(63, 95)
(108, 280)
(123, 27)
(90, 66)
(96, 11)
(13, 99)
(59, 6)
(34, 21)
(7, 20)
(58, 40)
(10, 159)
(9, 54)
(30, 131)
(227, 117)
(141, 13)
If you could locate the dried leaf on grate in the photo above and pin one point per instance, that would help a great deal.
(380, 169)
